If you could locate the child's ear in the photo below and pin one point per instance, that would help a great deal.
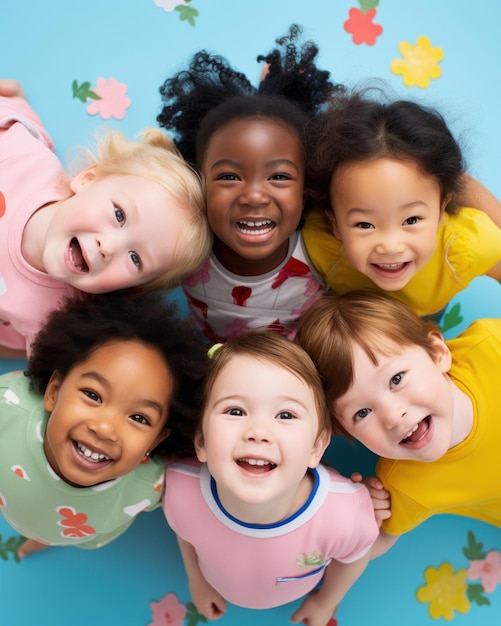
(86, 176)
(319, 447)
(444, 204)
(200, 447)
(441, 353)
(51, 392)
(161, 437)
(331, 218)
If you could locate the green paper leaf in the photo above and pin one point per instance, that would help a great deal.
(474, 550)
(475, 595)
(451, 318)
(83, 92)
(186, 13)
(367, 5)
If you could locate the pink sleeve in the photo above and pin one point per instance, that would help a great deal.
(17, 110)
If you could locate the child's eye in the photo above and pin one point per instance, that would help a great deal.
(141, 419)
(92, 395)
(136, 259)
(412, 220)
(227, 177)
(235, 411)
(119, 215)
(280, 176)
(396, 380)
(285, 415)
(364, 225)
(359, 415)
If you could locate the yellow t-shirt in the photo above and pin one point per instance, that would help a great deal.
(468, 245)
(466, 480)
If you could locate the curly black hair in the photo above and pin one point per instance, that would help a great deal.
(211, 92)
(82, 325)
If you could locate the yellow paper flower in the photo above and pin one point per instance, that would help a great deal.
(445, 591)
(419, 64)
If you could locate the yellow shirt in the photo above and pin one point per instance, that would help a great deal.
(468, 245)
(466, 480)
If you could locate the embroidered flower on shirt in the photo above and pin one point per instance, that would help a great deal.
(307, 560)
(74, 524)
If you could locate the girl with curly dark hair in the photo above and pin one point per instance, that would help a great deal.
(111, 392)
(249, 146)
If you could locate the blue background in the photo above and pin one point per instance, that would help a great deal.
(48, 45)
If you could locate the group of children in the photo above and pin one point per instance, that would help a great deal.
(316, 233)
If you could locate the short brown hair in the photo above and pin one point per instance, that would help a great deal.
(272, 348)
(377, 323)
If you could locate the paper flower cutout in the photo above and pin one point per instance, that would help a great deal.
(113, 100)
(488, 570)
(360, 26)
(420, 63)
(186, 12)
(445, 591)
(168, 612)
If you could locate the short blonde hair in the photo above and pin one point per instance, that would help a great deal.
(270, 347)
(155, 157)
(377, 323)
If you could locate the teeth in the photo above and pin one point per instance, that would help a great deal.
(390, 266)
(256, 462)
(257, 224)
(90, 455)
(411, 431)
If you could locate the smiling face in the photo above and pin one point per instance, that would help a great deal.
(254, 176)
(114, 232)
(107, 413)
(259, 435)
(403, 406)
(386, 213)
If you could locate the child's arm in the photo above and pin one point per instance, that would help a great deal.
(382, 544)
(11, 353)
(479, 197)
(206, 599)
(318, 608)
(10, 88)
(379, 496)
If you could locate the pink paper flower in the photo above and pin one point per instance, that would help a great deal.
(488, 570)
(114, 101)
(168, 612)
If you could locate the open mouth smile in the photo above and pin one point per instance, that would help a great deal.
(90, 455)
(390, 267)
(419, 431)
(255, 227)
(77, 257)
(256, 466)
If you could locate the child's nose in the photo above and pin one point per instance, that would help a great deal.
(104, 425)
(390, 243)
(105, 247)
(254, 194)
(257, 431)
(393, 415)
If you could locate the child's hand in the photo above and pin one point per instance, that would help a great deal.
(314, 612)
(380, 497)
(11, 88)
(206, 599)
